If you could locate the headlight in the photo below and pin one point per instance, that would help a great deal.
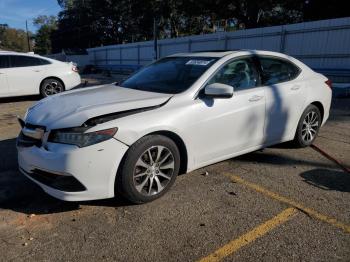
(78, 137)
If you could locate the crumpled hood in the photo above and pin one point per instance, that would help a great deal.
(73, 108)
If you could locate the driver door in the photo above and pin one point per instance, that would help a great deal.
(228, 126)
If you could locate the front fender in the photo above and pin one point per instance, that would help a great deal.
(169, 119)
(130, 136)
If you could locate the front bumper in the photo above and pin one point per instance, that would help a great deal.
(93, 168)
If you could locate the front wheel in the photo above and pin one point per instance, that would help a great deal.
(308, 126)
(149, 169)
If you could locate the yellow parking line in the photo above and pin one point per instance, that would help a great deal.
(290, 202)
(249, 237)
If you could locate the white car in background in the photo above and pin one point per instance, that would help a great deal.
(180, 113)
(29, 74)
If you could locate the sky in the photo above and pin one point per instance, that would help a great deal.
(16, 12)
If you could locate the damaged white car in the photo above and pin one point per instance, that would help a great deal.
(176, 115)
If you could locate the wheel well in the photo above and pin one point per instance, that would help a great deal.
(183, 157)
(181, 146)
(53, 77)
(320, 107)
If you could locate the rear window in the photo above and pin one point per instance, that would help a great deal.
(44, 61)
(277, 70)
(4, 61)
(24, 61)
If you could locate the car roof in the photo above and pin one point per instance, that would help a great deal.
(9, 52)
(32, 54)
(222, 53)
(207, 53)
(18, 53)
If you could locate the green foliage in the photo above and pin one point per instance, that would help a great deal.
(90, 23)
(13, 39)
(46, 25)
(44, 20)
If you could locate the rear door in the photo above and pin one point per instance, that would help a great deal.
(25, 74)
(284, 98)
(4, 64)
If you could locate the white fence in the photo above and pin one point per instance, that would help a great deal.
(320, 44)
(80, 60)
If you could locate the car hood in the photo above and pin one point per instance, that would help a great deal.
(73, 108)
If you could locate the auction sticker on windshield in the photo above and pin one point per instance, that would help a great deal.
(199, 62)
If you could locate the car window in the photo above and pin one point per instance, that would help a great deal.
(4, 61)
(170, 75)
(44, 61)
(241, 74)
(23, 61)
(277, 70)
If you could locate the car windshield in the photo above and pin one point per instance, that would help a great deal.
(171, 75)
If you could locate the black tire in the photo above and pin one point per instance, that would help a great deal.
(129, 185)
(51, 86)
(308, 128)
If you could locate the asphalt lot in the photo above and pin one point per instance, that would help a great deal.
(279, 204)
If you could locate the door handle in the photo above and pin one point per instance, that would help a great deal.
(255, 98)
(37, 70)
(295, 88)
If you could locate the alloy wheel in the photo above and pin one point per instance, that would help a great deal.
(153, 170)
(52, 88)
(310, 126)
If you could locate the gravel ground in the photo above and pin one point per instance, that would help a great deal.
(198, 216)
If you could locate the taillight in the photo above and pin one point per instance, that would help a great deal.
(75, 69)
(329, 83)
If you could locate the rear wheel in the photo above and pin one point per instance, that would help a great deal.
(308, 126)
(51, 86)
(149, 169)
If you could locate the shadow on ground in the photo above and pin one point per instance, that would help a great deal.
(19, 99)
(268, 157)
(327, 179)
(20, 194)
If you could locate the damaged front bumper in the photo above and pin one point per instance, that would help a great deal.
(71, 173)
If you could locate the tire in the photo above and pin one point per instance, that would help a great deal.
(308, 127)
(51, 86)
(142, 180)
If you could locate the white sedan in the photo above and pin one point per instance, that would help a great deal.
(180, 113)
(29, 74)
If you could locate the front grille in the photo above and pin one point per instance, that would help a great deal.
(26, 141)
(59, 182)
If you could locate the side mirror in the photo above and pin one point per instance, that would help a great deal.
(218, 90)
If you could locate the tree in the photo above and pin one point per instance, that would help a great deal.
(324, 9)
(46, 25)
(13, 39)
(90, 23)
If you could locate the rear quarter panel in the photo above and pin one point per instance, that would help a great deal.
(64, 72)
(318, 91)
